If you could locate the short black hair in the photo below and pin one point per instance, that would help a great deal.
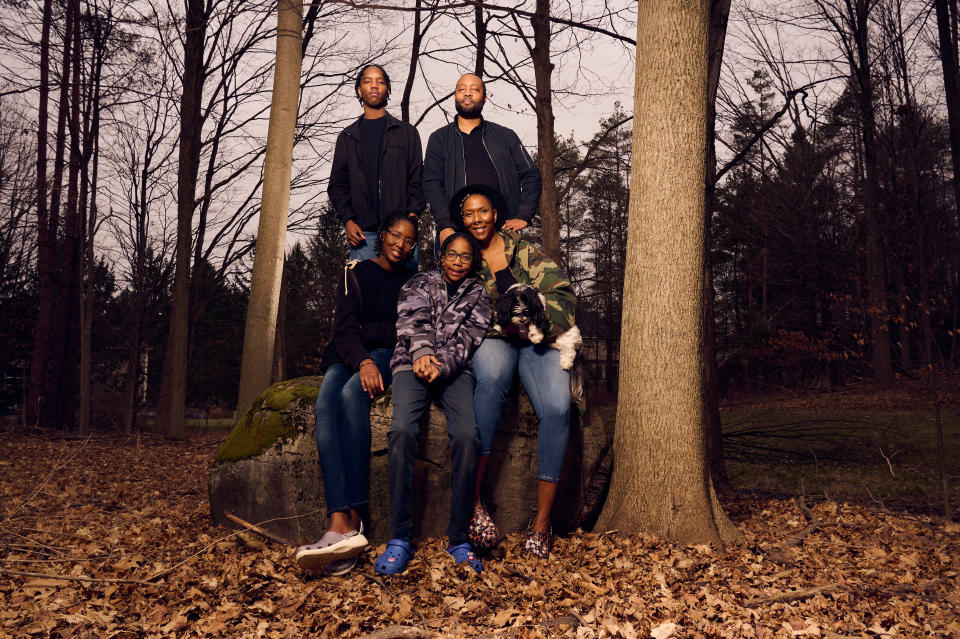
(386, 78)
(388, 222)
(474, 248)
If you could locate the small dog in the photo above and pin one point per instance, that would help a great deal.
(521, 313)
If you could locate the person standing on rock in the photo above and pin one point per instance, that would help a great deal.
(377, 167)
(472, 150)
(442, 318)
(357, 369)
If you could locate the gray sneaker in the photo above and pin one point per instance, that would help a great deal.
(339, 567)
(332, 547)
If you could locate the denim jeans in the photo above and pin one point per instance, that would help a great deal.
(411, 397)
(547, 386)
(342, 419)
(366, 250)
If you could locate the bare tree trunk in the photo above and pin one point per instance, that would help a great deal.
(67, 321)
(46, 235)
(278, 371)
(171, 409)
(414, 60)
(261, 325)
(719, 15)
(480, 26)
(875, 229)
(661, 479)
(951, 85)
(543, 70)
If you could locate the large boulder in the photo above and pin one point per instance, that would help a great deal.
(267, 471)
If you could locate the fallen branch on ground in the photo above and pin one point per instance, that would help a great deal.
(106, 580)
(793, 595)
(257, 529)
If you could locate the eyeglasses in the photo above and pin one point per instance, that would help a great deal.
(407, 243)
(463, 258)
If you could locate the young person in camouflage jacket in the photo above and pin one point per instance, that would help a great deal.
(442, 318)
(507, 260)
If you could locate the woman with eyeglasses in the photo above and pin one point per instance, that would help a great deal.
(357, 369)
(442, 317)
(506, 260)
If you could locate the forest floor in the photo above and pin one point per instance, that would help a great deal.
(110, 537)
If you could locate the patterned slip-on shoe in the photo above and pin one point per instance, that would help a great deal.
(538, 544)
(483, 532)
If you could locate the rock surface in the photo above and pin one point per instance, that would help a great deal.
(267, 471)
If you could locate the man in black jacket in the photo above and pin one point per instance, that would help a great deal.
(377, 166)
(471, 150)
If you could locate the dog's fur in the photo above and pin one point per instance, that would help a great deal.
(521, 314)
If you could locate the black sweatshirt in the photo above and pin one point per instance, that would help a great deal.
(365, 317)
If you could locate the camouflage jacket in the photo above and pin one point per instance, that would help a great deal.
(428, 323)
(530, 266)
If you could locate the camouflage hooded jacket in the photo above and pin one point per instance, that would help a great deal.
(428, 323)
(529, 266)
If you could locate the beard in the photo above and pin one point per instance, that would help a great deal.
(469, 114)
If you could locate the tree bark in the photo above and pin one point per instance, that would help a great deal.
(875, 229)
(719, 15)
(543, 70)
(661, 479)
(45, 237)
(480, 26)
(951, 85)
(171, 409)
(414, 59)
(261, 325)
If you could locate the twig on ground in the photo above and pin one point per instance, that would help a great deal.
(887, 459)
(257, 529)
(793, 595)
(400, 632)
(42, 575)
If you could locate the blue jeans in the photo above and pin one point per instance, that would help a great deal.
(547, 386)
(411, 397)
(366, 250)
(342, 415)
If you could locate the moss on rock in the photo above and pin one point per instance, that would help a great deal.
(270, 419)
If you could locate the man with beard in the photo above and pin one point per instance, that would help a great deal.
(377, 166)
(471, 150)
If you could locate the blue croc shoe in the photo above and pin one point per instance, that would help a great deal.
(395, 558)
(463, 553)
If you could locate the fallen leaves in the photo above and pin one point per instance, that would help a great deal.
(115, 511)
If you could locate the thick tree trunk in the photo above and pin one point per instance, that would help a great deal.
(67, 322)
(875, 229)
(171, 409)
(261, 325)
(661, 479)
(543, 70)
(45, 239)
(719, 15)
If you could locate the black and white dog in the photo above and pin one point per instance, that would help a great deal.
(521, 313)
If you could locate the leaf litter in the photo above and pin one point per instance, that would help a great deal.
(111, 537)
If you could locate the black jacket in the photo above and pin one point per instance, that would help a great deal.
(401, 165)
(444, 171)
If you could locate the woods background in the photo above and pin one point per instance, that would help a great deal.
(833, 227)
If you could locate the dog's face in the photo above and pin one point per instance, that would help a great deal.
(520, 312)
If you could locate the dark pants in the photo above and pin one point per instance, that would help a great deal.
(411, 397)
